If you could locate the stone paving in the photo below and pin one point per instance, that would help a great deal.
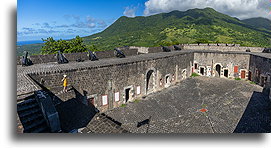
(177, 109)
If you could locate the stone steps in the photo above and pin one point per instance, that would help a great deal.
(31, 117)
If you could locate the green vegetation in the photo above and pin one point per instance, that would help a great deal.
(237, 79)
(123, 105)
(177, 27)
(51, 46)
(259, 22)
(136, 100)
(194, 75)
(251, 82)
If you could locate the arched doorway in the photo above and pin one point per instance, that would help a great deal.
(150, 81)
(218, 69)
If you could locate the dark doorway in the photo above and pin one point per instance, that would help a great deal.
(226, 73)
(218, 69)
(249, 76)
(150, 81)
(202, 71)
(243, 74)
(196, 66)
(127, 94)
(167, 80)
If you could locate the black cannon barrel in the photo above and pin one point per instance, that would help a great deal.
(92, 56)
(61, 59)
(176, 47)
(165, 49)
(25, 60)
(118, 53)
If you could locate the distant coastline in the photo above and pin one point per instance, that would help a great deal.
(29, 42)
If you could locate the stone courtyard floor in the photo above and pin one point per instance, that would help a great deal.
(199, 105)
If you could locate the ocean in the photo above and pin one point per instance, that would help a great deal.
(29, 42)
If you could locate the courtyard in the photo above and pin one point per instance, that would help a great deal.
(198, 105)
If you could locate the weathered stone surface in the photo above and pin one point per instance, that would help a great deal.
(177, 109)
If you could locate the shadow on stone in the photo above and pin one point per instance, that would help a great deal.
(256, 118)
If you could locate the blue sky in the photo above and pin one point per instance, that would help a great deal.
(65, 19)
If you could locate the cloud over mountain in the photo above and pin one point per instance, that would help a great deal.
(130, 11)
(237, 8)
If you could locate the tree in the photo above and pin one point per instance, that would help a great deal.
(65, 46)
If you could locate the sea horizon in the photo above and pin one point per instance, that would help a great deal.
(29, 42)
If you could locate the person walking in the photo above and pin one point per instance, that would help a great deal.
(65, 83)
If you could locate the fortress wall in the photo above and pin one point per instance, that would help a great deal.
(260, 69)
(110, 79)
(227, 62)
(223, 48)
(37, 59)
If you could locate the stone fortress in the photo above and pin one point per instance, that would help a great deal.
(99, 88)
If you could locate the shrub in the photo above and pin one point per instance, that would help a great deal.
(237, 78)
(194, 75)
(123, 105)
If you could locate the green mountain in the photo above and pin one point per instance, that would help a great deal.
(259, 22)
(205, 25)
(177, 27)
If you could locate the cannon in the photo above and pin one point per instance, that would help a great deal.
(266, 50)
(92, 56)
(165, 49)
(61, 59)
(118, 53)
(25, 60)
(177, 48)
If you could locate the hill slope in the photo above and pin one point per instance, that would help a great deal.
(179, 27)
(259, 22)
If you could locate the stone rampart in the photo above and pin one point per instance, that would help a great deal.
(222, 48)
(117, 83)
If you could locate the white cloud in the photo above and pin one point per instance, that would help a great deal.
(236, 8)
(130, 11)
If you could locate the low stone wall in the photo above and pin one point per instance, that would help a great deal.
(37, 59)
(223, 48)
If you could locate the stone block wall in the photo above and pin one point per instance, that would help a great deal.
(260, 70)
(231, 65)
(106, 82)
(222, 48)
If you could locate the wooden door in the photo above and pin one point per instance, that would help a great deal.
(243, 74)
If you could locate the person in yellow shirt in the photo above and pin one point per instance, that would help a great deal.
(65, 83)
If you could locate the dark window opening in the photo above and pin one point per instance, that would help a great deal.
(127, 94)
(167, 80)
(202, 71)
(226, 73)
(196, 66)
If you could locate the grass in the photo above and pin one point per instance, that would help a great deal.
(123, 105)
(136, 101)
(194, 75)
(237, 79)
(251, 82)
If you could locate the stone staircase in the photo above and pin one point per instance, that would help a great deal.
(31, 117)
